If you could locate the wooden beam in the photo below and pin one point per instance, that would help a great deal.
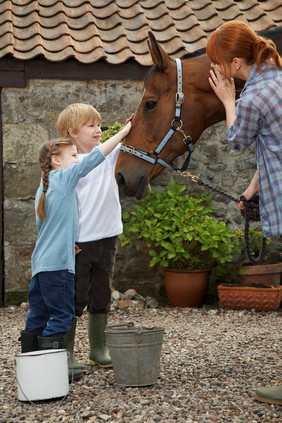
(71, 69)
(15, 73)
(12, 79)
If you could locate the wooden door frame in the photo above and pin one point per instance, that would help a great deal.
(1, 210)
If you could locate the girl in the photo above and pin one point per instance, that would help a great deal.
(51, 294)
(237, 51)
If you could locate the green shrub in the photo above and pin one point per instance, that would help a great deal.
(179, 231)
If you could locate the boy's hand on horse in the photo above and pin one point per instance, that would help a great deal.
(129, 119)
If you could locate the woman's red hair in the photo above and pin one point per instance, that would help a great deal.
(237, 39)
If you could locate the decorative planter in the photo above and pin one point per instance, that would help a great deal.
(237, 297)
(186, 288)
(260, 275)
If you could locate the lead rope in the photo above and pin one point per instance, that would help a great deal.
(250, 212)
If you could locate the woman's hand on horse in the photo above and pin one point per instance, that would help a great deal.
(223, 87)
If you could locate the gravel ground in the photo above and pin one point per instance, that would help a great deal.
(212, 360)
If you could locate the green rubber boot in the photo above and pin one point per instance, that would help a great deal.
(99, 354)
(29, 341)
(50, 342)
(269, 395)
(69, 345)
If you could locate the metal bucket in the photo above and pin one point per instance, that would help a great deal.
(42, 374)
(135, 353)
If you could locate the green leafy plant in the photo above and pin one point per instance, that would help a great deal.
(255, 243)
(111, 131)
(179, 231)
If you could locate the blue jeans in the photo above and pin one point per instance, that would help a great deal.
(51, 300)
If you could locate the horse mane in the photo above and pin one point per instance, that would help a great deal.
(267, 33)
(194, 54)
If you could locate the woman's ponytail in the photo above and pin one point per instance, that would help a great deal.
(265, 50)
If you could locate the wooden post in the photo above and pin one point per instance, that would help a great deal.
(1, 211)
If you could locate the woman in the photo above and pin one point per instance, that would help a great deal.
(236, 51)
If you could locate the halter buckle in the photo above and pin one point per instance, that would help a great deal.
(179, 97)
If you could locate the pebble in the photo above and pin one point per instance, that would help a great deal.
(212, 360)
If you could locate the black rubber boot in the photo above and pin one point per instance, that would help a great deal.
(99, 354)
(50, 342)
(53, 342)
(29, 341)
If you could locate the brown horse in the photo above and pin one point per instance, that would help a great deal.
(161, 113)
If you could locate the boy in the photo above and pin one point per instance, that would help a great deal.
(99, 226)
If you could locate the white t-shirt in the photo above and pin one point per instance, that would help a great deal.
(99, 206)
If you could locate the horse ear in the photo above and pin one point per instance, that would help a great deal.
(159, 56)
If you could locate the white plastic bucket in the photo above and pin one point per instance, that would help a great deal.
(42, 374)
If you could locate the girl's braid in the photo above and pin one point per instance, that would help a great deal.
(47, 150)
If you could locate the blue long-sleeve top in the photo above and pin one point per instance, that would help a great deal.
(55, 245)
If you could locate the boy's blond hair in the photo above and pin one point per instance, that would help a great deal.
(75, 116)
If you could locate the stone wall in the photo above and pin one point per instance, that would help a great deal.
(29, 118)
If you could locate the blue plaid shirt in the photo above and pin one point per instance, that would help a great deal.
(259, 119)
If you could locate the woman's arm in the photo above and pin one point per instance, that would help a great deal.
(252, 190)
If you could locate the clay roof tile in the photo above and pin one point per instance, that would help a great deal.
(117, 30)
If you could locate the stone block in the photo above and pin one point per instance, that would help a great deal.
(19, 221)
(21, 180)
(17, 266)
(21, 142)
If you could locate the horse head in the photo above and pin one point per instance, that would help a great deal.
(156, 112)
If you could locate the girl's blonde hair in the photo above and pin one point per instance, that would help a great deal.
(75, 116)
(237, 39)
(47, 150)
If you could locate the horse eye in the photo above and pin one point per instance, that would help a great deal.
(150, 105)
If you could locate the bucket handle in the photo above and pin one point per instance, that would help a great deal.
(139, 330)
(119, 325)
(130, 325)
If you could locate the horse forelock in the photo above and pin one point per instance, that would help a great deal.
(151, 71)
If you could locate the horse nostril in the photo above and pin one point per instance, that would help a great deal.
(120, 179)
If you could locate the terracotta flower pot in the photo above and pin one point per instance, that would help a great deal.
(186, 288)
(236, 297)
(260, 275)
